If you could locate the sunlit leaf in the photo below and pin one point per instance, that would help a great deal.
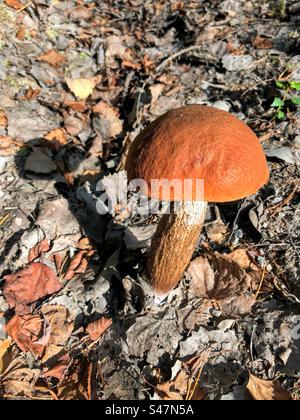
(295, 85)
(277, 103)
(296, 100)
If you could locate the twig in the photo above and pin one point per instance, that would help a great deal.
(182, 52)
(25, 7)
(261, 282)
(283, 203)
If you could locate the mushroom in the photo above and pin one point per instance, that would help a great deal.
(208, 146)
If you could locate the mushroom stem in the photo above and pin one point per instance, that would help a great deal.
(174, 243)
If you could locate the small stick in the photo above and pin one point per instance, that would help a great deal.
(261, 282)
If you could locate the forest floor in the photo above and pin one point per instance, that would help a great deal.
(78, 81)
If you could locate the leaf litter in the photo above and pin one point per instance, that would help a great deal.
(82, 322)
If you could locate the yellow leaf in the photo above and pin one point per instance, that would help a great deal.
(261, 390)
(82, 88)
(4, 346)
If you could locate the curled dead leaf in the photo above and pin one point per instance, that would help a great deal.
(77, 265)
(38, 250)
(262, 390)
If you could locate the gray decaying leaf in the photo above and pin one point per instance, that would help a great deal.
(155, 336)
(138, 237)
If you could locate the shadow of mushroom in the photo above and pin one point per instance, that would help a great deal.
(65, 167)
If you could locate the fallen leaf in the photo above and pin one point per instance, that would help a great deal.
(52, 57)
(217, 232)
(38, 250)
(8, 146)
(156, 90)
(215, 276)
(85, 244)
(109, 124)
(15, 4)
(56, 362)
(60, 323)
(82, 88)
(97, 328)
(4, 346)
(28, 333)
(175, 389)
(57, 137)
(75, 266)
(131, 64)
(81, 13)
(74, 124)
(28, 285)
(32, 93)
(18, 379)
(21, 33)
(241, 257)
(262, 43)
(262, 390)
(185, 384)
(3, 119)
(78, 106)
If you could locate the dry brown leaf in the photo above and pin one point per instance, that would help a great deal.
(262, 43)
(82, 88)
(15, 4)
(78, 106)
(58, 137)
(4, 346)
(185, 385)
(32, 93)
(156, 90)
(28, 333)
(3, 119)
(85, 244)
(217, 232)
(28, 285)
(60, 323)
(240, 257)
(110, 120)
(217, 277)
(18, 379)
(21, 33)
(74, 124)
(74, 265)
(52, 57)
(8, 146)
(38, 250)
(176, 389)
(262, 390)
(97, 328)
(56, 362)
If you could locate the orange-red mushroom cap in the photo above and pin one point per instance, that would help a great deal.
(199, 143)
